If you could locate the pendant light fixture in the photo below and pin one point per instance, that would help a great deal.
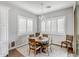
(42, 17)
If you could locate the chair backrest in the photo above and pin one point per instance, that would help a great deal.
(31, 35)
(69, 38)
(45, 35)
(37, 34)
(32, 42)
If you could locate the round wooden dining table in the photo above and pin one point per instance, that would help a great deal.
(42, 41)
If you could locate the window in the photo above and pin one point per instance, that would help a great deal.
(21, 25)
(24, 25)
(29, 25)
(48, 24)
(53, 25)
(61, 25)
(43, 26)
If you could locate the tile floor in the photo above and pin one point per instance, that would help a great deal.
(56, 52)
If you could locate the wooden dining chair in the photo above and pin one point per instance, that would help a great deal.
(33, 45)
(46, 46)
(68, 42)
(45, 35)
(37, 34)
(31, 35)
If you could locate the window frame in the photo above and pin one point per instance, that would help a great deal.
(26, 24)
(56, 18)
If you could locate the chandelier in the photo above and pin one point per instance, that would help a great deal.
(42, 17)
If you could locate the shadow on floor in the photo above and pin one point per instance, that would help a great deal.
(15, 53)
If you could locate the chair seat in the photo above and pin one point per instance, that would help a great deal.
(70, 50)
(45, 45)
(35, 47)
(65, 42)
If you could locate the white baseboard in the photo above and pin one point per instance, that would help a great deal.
(18, 46)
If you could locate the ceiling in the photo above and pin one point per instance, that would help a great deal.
(35, 6)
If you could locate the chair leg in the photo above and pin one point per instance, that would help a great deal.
(29, 52)
(66, 45)
(50, 48)
(34, 52)
(40, 50)
(61, 45)
(48, 51)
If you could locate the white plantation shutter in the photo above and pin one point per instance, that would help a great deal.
(29, 25)
(24, 25)
(42, 26)
(54, 26)
(21, 25)
(61, 25)
(48, 25)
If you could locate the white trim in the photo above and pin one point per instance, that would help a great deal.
(17, 46)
